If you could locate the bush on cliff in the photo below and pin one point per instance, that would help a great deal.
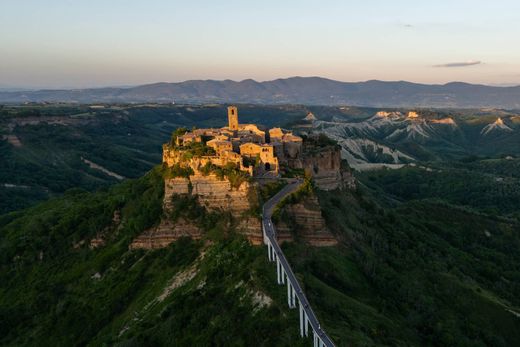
(230, 171)
(178, 171)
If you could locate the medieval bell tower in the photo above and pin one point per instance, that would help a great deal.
(232, 117)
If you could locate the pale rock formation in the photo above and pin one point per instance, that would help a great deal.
(447, 121)
(412, 115)
(498, 125)
(310, 117)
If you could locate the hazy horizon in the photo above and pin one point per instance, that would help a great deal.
(33, 88)
(71, 44)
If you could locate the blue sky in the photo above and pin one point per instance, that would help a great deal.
(80, 43)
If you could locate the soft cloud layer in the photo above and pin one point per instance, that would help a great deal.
(460, 64)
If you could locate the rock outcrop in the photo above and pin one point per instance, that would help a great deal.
(165, 233)
(215, 195)
(251, 228)
(304, 221)
(325, 167)
(104, 234)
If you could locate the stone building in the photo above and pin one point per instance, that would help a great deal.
(244, 145)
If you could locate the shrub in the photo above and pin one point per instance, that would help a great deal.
(179, 171)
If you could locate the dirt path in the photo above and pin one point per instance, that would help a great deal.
(102, 169)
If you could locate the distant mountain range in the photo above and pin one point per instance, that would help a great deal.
(295, 90)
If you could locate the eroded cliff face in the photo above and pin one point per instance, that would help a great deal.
(304, 221)
(325, 167)
(165, 233)
(215, 195)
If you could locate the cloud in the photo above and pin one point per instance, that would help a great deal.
(460, 64)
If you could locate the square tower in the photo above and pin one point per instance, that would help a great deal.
(232, 112)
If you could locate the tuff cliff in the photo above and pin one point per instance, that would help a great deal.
(300, 218)
(215, 195)
(325, 166)
(165, 233)
(212, 182)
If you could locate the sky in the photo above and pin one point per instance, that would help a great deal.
(80, 43)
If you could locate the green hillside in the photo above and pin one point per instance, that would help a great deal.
(56, 291)
(412, 271)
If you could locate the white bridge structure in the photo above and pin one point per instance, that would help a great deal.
(295, 295)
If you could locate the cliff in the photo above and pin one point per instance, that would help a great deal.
(326, 168)
(165, 233)
(215, 195)
(303, 220)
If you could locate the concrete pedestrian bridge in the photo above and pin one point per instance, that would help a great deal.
(295, 295)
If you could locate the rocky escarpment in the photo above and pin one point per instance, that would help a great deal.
(218, 194)
(326, 168)
(165, 233)
(214, 194)
(303, 220)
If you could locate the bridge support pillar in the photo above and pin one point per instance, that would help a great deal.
(289, 292)
(290, 295)
(315, 338)
(293, 298)
(301, 319)
(306, 324)
(278, 271)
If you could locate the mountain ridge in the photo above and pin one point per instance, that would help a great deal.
(293, 90)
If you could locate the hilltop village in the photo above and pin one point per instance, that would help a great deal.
(224, 169)
(245, 146)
